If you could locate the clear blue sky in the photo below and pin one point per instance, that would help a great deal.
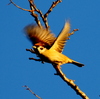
(84, 46)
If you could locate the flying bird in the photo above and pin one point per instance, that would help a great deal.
(48, 47)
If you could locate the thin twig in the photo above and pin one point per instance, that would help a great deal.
(32, 11)
(45, 20)
(70, 82)
(52, 6)
(33, 7)
(36, 60)
(31, 50)
(27, 88)
(19, 6)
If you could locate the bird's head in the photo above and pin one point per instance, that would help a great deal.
(39, 49)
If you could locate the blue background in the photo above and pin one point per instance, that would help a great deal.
(84, 46)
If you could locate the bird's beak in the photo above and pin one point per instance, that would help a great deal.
(34, 47)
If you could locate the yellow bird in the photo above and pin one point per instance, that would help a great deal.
(48, 47)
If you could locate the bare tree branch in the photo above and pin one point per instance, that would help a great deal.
(35, 9)
(44, 17)
(31, 50)
(52, 6)
(27, 88)
(70, 82)
(32, 11)
(47, 13)
(19, 6)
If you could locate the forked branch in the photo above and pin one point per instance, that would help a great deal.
(52, 6)
(70, 82)
(35, 9)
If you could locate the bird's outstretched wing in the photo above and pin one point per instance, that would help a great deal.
(39, 36)
(59, 43)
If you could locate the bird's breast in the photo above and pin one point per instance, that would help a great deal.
(52, 56)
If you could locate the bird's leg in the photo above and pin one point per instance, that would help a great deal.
(31, 50)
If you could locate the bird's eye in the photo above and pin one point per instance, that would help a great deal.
(41, 48)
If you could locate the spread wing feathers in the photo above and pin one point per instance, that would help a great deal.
(39, 36)
(59, 43)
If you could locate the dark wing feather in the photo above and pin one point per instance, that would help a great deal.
(39, 35)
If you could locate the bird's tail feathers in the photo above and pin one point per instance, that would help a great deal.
(77, 63)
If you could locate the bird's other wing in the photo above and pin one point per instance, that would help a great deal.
(59, 43)
(39, 36)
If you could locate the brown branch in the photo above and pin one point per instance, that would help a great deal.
(48, 12)
(44, 17)
(35, 59)
(70, 82)
(34, 9)
(19, 6)
(31, 50)
(52, 6)
(33, 6)
(27, 88)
